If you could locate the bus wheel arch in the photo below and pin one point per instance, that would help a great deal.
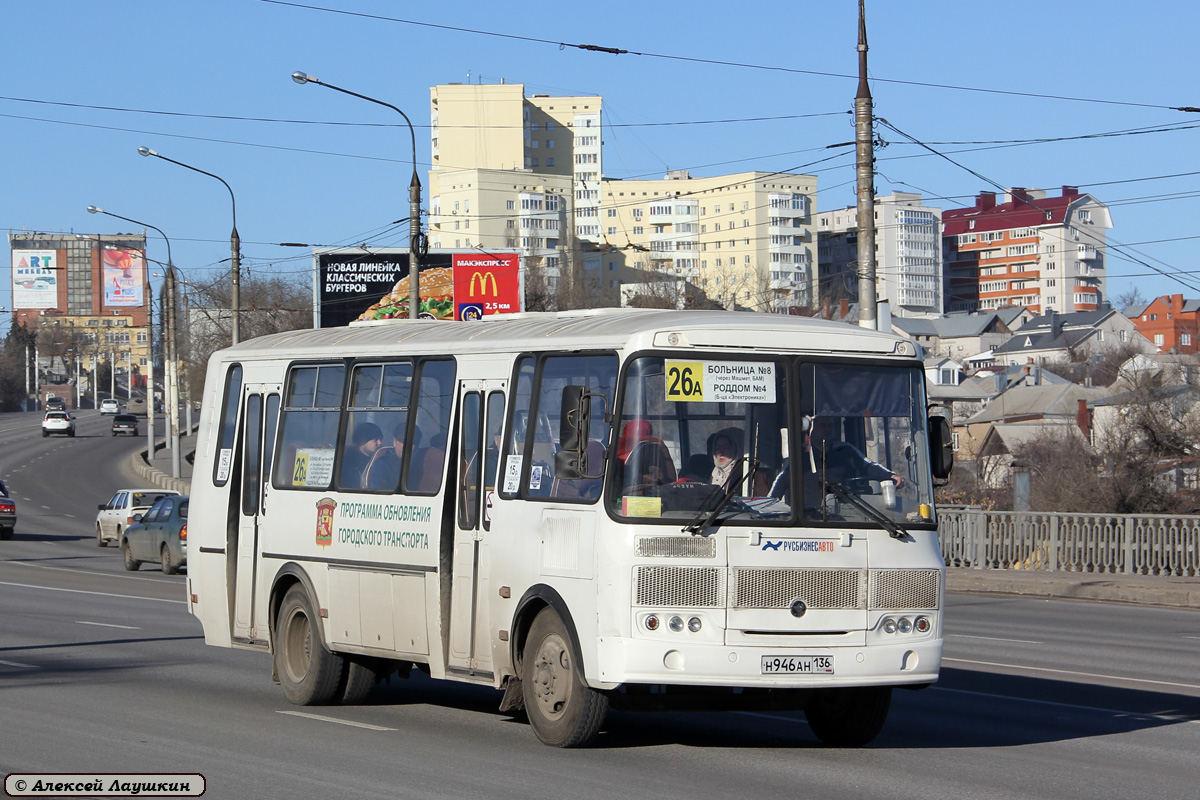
(531, 604)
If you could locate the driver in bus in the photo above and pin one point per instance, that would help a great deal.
(828, 458)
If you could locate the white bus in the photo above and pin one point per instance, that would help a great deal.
(634, 508)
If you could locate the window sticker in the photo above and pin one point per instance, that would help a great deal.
(224, 462)
(641, 506)
(313, 467)
(720, 381)
(535, 477)
(512, 474)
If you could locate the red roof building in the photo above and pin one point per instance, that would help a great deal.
(1045, 253)
(1171, 322)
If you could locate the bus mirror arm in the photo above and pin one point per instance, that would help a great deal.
(575, 415)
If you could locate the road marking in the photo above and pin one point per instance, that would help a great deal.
(1192, 637)
(990, 638)
(18, 664)
(1074, 672)
(337, 721)
(1119, 712)
(102, 594)
(108, 625)
(82, 571)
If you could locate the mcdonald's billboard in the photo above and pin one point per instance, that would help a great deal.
(360, 284)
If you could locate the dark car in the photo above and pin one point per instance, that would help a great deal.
(56, 404)
(125, 423)
(8, 513)
(158, 535)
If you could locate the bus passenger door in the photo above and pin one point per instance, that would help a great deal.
(481, 413)
(261, 413)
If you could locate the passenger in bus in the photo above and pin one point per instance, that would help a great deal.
(634, 433)
(727, 462)
(646, 458)
(383, 472)
(828, 458)
(364, 441)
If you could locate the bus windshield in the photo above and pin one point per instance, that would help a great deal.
(770, 441)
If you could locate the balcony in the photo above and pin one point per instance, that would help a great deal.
(1086, 252)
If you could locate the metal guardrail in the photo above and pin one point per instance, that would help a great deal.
(1129, 544)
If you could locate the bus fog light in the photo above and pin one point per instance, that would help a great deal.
(652, 623)
(922, 625)
(889, 625)
(675, 624)
(904, 625)
(694, 624)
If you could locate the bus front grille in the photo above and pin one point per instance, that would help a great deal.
(900, 589)
(681, 587)
(676, 547)
(818, 588)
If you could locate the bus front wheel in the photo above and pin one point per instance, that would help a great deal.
(563, 711)
(309, 674)
(849, 717)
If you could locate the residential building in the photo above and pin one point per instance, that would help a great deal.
(1071, 337)
(526, 174)
(960, 336)
(1170, 322)
(1047, 253)
(908, 255)
(86, 296)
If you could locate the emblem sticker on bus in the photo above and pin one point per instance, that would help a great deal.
(720, 381)
(325, 507)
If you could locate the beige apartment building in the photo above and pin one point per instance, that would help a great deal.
(526, 173)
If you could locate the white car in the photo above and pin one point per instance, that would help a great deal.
(117, 514)
(110, 407)
(58, 422)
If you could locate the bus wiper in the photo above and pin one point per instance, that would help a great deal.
(850, 497)
(697, 527)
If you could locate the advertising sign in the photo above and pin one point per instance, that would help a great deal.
(353, 285)
(123, 273)
(34, 278)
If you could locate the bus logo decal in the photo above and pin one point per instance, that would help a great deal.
(325, 507)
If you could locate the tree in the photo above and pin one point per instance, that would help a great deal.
(1130, 297)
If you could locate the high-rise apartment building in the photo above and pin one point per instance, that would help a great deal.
(908, 255)
(526, 173)
(86, 296)
(1047, 253)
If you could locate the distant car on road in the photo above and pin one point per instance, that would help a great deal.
(137, 406)
(110, 407)
(8, 515)
(117, 514)
(54, 403)
(125, 423)
(58, 422)
(159, 535)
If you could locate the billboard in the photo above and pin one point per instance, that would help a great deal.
(353, 285)
(123, 274)
(35, 278)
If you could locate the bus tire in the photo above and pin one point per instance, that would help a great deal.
(309, 674)
(360, 680)
(563, 711)
(849, 717)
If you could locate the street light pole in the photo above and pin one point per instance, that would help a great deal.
(414, 196)
(235, 245)
(172, 404)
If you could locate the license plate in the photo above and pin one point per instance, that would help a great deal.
(797, 665)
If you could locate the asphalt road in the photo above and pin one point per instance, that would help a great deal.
(104, 670)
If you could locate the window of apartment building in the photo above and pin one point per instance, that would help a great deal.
(746, 261)
(550, 125)
(552, 202)
(612, 231)
(638, 230)
(550, 161)
(550, 143)
(718, 262)
(1124, 335)
(745, 205)
(745, 223)
(731, 206)
(1185, 340)
(612, 212)
(637, 213)
(510, 205)
(533, 126)
(512, 223)
(534, 144)
(1159, 339)
(533, 162)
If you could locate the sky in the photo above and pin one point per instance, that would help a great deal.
(1023, 93)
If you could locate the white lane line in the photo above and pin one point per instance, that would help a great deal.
(18, 664)
(990, 638)
(1118, 712)
(1192, 637)
(320, 718)
(81, 591)
(1074, 672)
(108, 625)
(83, 571)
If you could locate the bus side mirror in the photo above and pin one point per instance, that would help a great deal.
(574, 418)
(941, 447)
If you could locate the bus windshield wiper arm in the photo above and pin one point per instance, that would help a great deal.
(696, 527)
(850, 497)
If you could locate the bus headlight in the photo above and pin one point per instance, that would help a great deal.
(675, 624)
(889, 625)
(694, 624)
(904, 625)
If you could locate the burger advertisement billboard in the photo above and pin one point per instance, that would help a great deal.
(373, 285)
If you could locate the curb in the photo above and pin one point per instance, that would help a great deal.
(1168, 591)
(140, 461)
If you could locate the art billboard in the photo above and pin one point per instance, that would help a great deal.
(124, 276)
(35, 278)
(355, 285)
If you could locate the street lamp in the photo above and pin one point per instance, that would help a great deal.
(234, 242)
(414, 196)
(172, 411)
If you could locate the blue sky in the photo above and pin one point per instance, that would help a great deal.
(710, 87)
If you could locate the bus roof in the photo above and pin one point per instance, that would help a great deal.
(607, 328)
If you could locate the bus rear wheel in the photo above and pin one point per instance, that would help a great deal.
(309, 674)
(849, 717)
(563, 711)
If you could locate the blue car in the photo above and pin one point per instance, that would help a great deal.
(159, 535)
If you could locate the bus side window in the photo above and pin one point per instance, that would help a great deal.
(435, 396)
(511, 461)
(309, 426)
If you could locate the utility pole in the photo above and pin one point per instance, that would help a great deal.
(864, 150)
